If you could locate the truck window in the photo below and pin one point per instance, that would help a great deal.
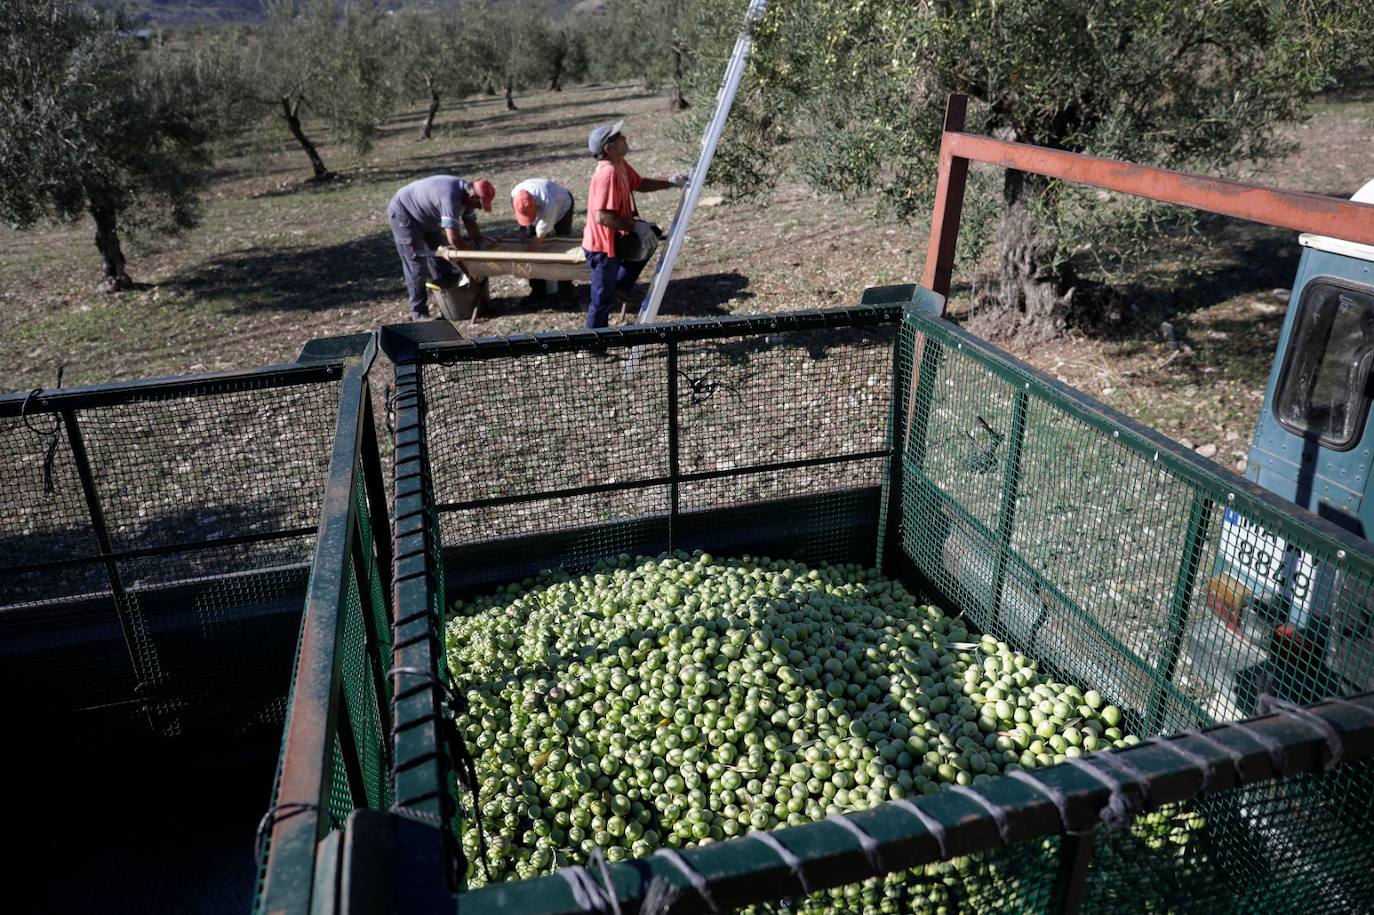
(1324, 387)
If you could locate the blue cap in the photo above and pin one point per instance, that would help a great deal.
(600, 136)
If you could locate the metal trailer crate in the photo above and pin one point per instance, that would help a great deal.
(157, 538)
(1041, 516)
(335, 753)
(959, 518)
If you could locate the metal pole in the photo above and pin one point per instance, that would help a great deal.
(949, 203)
(672, 446)
(677, 230)
(1006, 517)
(142, 651)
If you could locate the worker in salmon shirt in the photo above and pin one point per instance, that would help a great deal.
(617, 244)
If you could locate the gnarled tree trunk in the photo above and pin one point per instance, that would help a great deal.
(556, 80)
(427, 128)
(290, 112)
(112, 275)
(679, 101)
(510, 100)
(1029, 298)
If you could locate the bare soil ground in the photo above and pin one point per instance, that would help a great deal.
(278, 261)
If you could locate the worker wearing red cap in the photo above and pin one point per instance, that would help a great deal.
(424, 215)
(543, 207)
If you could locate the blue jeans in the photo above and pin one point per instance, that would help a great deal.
(608, 275)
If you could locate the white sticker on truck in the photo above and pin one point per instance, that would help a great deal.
(1267, 565)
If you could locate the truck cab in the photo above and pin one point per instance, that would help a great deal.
(1314, 445)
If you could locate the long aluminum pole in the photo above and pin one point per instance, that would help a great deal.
(677, 230)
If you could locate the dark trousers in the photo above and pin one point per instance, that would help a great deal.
(538, 288)
(418, 262)
(608, 275)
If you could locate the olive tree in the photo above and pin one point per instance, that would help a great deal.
(655, 41)
(91, 124)
(849, 94)
(430, 56)
(562, 46)
(509, 42)
(330, 56)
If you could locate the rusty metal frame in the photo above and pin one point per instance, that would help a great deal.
(298, 818)
(1296, 210)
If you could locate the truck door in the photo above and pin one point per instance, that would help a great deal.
(1294, 627)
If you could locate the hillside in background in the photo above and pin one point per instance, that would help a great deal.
(182, 14)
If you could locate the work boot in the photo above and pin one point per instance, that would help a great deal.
(420, 316)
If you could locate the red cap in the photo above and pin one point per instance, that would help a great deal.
(525, 211)
(486, 191)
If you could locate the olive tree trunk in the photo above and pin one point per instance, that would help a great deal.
(1029, 297)
(556, 80)
(679, 101)
(427, 128)
(112, 275)
(290, 112)
(510, 99)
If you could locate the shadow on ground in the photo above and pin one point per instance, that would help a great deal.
(1239, 259)
(303, 279)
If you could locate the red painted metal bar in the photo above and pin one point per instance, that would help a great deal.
(949, 202)
(1296, 210)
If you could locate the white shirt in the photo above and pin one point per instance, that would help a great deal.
(552, 201)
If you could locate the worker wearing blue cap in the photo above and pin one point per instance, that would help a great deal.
(616, 243)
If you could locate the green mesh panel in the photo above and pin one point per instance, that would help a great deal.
(375, 582)
(1019, 879)
(340, 797)
(1116, 560)
(1304, 837)
(361, 701)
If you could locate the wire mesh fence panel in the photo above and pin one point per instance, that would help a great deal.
(1179, 592)
(1276, 610)
(1018, 880)
(543, 423)
(1297, 843)
(212, 466)
(370, 779)
(44, 520)
(552, 514)
(784, 397)
(601, 451)
(220, 646)
(151, 530)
